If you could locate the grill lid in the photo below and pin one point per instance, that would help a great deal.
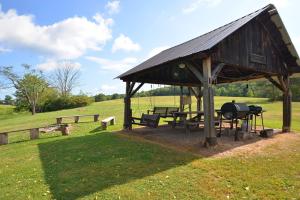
(232, 110)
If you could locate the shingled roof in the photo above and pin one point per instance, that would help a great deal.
(209, 40)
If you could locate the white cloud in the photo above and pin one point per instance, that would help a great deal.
(107, 88)
(114, 65)
(54, 64)
(4, 50)
(66, 39)
(195, 4)
(113, 7)
(157, 50)
(125, 43)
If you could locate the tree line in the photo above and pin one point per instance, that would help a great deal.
(37, 93)
(262, 89)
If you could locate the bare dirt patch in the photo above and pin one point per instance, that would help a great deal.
(193, 141)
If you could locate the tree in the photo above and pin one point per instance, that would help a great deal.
(8, 100)
(29, 86)
(100, 97)
(65, 78)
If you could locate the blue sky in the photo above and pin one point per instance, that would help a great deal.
(104, 38)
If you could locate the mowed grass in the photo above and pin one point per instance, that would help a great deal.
(96, 164)
(12, 121)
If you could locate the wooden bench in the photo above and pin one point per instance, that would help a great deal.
(147, 120)
(108, 121)
(164, 112)
(76, 118)
(34, 133)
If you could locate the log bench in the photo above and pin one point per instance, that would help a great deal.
(34, 133)
(76, 118)
(108, 121)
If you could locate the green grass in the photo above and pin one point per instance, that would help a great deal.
(96, 164)
(13, 121)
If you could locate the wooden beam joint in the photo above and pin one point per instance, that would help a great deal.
(216, 71)
(195, 71)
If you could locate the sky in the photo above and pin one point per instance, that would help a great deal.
(104, 38)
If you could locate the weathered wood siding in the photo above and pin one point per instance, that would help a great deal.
(251, 47)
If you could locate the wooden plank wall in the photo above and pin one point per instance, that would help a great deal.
(251, 47)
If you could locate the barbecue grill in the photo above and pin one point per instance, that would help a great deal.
(240, 111)
(234, 111)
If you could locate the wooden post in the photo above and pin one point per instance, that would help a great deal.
(127, 108)
(190, 104)
(199, 99)
(287, 106)
(34, 133)
(208, 101)
(96, 117)
(181, 106)
(3, 138)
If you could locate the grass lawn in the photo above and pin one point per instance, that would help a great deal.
(96, 164)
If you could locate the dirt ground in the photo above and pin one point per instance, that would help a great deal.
(193, 142)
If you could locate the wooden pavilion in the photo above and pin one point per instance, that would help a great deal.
(255, 46)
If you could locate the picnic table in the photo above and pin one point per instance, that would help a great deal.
(183, 118)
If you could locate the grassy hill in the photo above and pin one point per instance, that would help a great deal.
(96, 164)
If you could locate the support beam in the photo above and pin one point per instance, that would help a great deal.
(127, 108)
(196, 72)
(282, 83)
(274, 82)
(216, 71)
(131, 87)
(208, 100)
(198, 94)
(287, 105)
(136, 89)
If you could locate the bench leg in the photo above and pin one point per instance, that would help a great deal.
(96, 118)
(3, 138)
(104, 125)
(65, 129)
(34, 133)
(113, 121)
(76, 119)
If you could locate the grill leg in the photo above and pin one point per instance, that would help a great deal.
(251, 118)
(247, 118)
(255, 123)
(262, 121)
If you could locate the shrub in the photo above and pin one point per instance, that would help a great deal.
(100, 97)
(67, 103)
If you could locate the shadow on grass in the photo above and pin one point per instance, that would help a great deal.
(96, 130)
(78, 166)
